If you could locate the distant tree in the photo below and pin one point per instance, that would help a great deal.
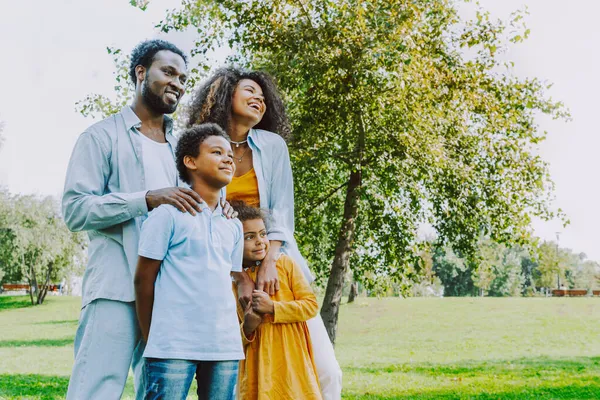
(529, 271)
(489, 258)
(509, 279)
(454, 272)
(36, 246)
(550, 268)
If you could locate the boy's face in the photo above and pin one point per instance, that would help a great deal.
(214, 164)
(256, 243)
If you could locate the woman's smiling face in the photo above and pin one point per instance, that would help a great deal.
(248, 102)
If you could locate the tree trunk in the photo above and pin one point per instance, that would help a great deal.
(353, 292)
(29, 281)
(33, 287)
(44, 291)
(333, 294)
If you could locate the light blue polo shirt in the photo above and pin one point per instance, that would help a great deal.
(194, 315)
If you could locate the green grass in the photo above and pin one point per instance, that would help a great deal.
(470, 348)
(461, 348)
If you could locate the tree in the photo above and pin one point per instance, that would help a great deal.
(550, 268)
(454, 272)
(402, 115)
(509, 279)
(36, 246)
(586, 275)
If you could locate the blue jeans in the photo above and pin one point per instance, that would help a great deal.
(171, 379)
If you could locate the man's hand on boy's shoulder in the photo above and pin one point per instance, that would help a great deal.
(185, 200)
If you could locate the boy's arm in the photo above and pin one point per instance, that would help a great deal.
(145, 276)
(244, 285)
(155, 239)
(251, 322)
(248, 324)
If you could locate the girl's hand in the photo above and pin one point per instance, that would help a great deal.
(262, 303)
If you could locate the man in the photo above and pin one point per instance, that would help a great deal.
(120, 169)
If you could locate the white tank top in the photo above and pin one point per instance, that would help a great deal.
(159, 164)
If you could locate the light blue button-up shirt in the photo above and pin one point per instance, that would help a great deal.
(194, 316)
(271, 162)
(104, 192)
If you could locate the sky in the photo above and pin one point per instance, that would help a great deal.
(54, 54)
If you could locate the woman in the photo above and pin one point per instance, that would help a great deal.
(248, 106)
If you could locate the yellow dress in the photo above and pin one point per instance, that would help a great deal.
(279, 360)
(244, 188)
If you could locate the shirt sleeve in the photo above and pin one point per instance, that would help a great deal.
(304, 306)
(281, 203)
(84, 204)
(238, 249)
(156, 234)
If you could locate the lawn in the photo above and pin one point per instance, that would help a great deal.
(421, 348)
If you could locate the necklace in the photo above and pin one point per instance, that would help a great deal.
(253, 267)
(237, 144)
(242, 156)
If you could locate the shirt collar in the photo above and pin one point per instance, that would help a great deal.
(133, 121)
(252, 138)
(204, 207)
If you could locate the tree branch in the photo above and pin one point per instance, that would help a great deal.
(323, 199)
(306, 14)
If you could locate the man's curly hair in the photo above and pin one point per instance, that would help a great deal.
(212, 102)
(144, 53)
(189, 145)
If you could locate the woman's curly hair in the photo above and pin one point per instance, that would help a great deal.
(212, 101)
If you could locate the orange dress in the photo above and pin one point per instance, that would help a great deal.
(279, 360)
(244, 188)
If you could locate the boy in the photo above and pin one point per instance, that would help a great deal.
(279, 360)
(185, 309)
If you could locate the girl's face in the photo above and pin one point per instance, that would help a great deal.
(248, 103)
(256, 243)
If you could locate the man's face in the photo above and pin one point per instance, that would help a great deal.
(256, 242)
(164, 83)
(214, 164)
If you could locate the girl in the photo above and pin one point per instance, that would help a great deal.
(279, 360)
(248, 106)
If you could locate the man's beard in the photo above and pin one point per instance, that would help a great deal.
(154, 101)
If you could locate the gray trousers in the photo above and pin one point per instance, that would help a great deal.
(107, 344)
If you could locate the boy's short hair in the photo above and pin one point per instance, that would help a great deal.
(246, 212)
(189, 145)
